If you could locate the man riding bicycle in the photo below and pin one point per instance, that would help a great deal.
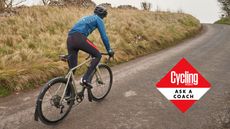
(77, 40)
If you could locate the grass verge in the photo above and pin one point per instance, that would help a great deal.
(31, 41)
(225, 20)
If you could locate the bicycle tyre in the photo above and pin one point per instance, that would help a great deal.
(46, 87)
(109, 84)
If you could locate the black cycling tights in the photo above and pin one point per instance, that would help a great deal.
(76, 42)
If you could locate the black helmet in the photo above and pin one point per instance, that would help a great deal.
(101, 11)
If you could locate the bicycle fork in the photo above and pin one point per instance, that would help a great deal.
(98, 78)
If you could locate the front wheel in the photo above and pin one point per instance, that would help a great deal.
(51, 108)
(101, 80)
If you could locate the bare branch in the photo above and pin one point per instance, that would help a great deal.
(19, 2)
(7, 5)
(225, 6)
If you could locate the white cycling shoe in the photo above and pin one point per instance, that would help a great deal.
(86, 84)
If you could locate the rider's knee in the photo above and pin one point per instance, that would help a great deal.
(98, 55)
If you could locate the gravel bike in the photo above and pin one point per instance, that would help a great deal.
(53, 104)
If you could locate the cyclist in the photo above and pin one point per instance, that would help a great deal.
(77, 40)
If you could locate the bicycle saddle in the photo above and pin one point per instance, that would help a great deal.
(64, 58)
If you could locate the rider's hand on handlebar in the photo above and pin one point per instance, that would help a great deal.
(111, 53)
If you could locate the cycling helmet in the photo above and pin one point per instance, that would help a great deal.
(101, 11)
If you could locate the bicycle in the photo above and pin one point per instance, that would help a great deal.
(102, 79)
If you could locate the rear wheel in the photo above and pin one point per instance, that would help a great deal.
(101, 81)
(50, 108)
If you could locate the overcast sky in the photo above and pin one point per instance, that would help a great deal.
(207, 11)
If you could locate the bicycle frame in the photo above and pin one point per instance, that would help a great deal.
(78, 94)
(71, 75)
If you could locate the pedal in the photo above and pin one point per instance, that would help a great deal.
(87, 86)
(79, 98)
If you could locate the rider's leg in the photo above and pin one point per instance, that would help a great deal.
(93, 51)
(90, 48)
(72, 52)
(81, 42)
(72, 57)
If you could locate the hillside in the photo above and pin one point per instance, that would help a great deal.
(31, 41)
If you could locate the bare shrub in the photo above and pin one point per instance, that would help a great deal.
(8, 5)
(146, 6)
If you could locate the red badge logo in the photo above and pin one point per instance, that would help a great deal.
(183, 85)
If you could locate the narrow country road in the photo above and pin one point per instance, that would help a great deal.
(135, 103)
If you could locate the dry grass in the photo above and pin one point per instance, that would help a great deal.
(31, 41)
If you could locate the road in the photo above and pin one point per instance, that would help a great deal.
(135, 103)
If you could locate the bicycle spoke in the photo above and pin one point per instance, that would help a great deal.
(52, 108)
(101, 82)
(58, 88)
(50, 93)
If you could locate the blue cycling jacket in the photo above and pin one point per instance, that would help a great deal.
(88, 24)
